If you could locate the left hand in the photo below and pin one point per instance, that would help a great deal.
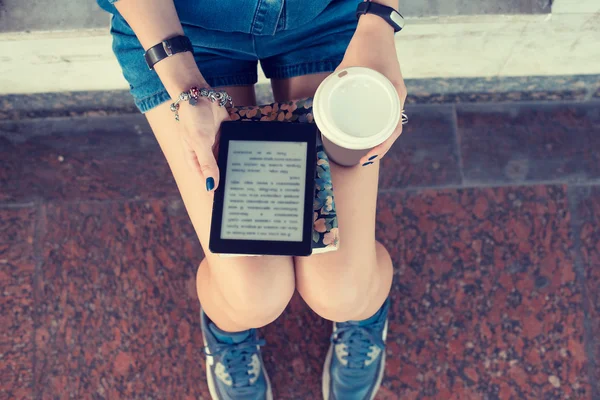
(373, 46)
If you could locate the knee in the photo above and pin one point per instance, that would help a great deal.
(338, 305)
(254, 308)
(351, 291)
(250, 300)
(337, 298)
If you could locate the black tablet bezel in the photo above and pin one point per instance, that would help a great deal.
(265, 131)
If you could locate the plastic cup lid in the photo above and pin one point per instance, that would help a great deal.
(357, 108)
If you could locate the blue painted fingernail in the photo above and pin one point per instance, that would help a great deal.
(374, 157)
(367, 163)
(210, 184)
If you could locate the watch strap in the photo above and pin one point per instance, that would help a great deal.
(167, 48)
(393, 17)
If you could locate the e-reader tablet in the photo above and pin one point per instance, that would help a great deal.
(264, 202)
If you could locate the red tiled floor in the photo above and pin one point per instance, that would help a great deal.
(117, 303)
(587, 208)
(17, 268)
(486, 304)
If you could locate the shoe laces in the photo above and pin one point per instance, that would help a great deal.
(358, 341)
(237, 360)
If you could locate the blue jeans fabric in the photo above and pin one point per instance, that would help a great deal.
(290, 38)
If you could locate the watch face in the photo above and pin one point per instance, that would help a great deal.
(397, 18)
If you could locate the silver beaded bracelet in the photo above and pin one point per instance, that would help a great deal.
(192, 95)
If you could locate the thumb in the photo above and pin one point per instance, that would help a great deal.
(207, 164)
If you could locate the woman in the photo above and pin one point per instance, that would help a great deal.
(298, 43)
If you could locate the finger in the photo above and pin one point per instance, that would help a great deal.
(207, 163)
(377, 153)
(190, 157)
(193, 163)
(374, 155)
(402, 93)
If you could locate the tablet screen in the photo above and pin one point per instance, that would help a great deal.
(264, 191)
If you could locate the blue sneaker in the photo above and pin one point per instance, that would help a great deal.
(234, 365)
(356, 359)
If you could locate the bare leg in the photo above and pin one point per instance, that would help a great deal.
(239, 293)
(353, 282)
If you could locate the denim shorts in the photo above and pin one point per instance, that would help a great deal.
(290, 38)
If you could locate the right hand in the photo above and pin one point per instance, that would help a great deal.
(199, 138)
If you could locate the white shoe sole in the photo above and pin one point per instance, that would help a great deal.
(211, 381)
(327, 377)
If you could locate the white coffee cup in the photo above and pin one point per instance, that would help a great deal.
(355, 109)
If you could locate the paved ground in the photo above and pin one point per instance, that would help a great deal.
(491, 213)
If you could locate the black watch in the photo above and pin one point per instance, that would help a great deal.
(166, 48)
(393, 17)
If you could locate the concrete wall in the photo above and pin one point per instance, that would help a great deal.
(42, 15)
(565, 42)
(45, 15)
(426, 8)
